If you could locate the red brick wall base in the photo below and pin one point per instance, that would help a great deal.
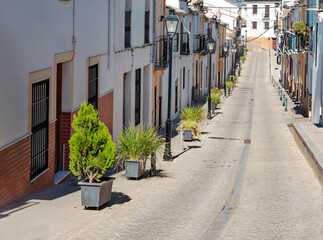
(105, 107)
(15, 170)
(15, 159)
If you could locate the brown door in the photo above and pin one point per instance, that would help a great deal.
(274, 43)
(58, 163)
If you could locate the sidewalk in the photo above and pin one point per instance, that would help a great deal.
(308, 136)
(51, 214)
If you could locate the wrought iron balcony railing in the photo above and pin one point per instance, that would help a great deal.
(199, 44)
(185, 44)
(161, 52)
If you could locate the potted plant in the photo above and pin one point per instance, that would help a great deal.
(235, 79)
(190, 119)
(135, 145)
(190, 128)
(245, 50)
(217, 91)
(216, 100)
(302, 32)
(92, 154)
(243, 58)
(229, 85)
(239, 71)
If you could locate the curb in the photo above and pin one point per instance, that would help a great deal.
(313, 156)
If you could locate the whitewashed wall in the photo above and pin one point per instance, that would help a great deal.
(31, 33)
(250, 17)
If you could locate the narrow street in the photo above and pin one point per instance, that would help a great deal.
(244, 179)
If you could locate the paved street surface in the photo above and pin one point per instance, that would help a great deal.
(244, 179)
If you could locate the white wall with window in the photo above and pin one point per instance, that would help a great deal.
(260, 16)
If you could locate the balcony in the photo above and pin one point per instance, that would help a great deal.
(199, 44)
(161, 52)
(185, 44)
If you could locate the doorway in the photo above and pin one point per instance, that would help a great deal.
(58, 162)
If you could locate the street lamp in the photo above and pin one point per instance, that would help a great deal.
(171, 28)
(225, 53)
(211, 49)
(233, 50)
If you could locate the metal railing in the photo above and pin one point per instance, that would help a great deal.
(39, 124)
(199, 43)
(185, 44)
(161, 52)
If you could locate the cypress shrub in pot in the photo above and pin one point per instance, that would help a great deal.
(92, 154)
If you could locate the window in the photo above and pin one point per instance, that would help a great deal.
(254, 9)
(127, 36)
(176, 96)
(266, 25)
(138, 96)
(93, 86)
(266, 11)
(39, 127)
(196, 73)
(147, 14)
(201, 84)
(183, 77)
(175, 42)
(254, 25)
(185, 46)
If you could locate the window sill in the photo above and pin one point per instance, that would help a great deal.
(35, 178)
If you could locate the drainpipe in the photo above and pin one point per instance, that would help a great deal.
(73, 37)
(154, 32)
(108, 50)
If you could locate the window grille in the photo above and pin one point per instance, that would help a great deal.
(254, 9)
(266, 11)
(175, 42)
(183, 77)
(127, 36)
(138, 97)
(93, 86)
(147, 13)
(39, 128)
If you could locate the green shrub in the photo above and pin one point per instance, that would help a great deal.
(245, 50)
(217, 91)
(235, 79)
(215, 98)
(189, 124)
(239, 70)
(243, 58)
(229, 85)
(92, 151)
(301, 29)
(138, 143)
(190, 118)
(194, 113)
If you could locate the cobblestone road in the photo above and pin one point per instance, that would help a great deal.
(221, 187)
(275, 194)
